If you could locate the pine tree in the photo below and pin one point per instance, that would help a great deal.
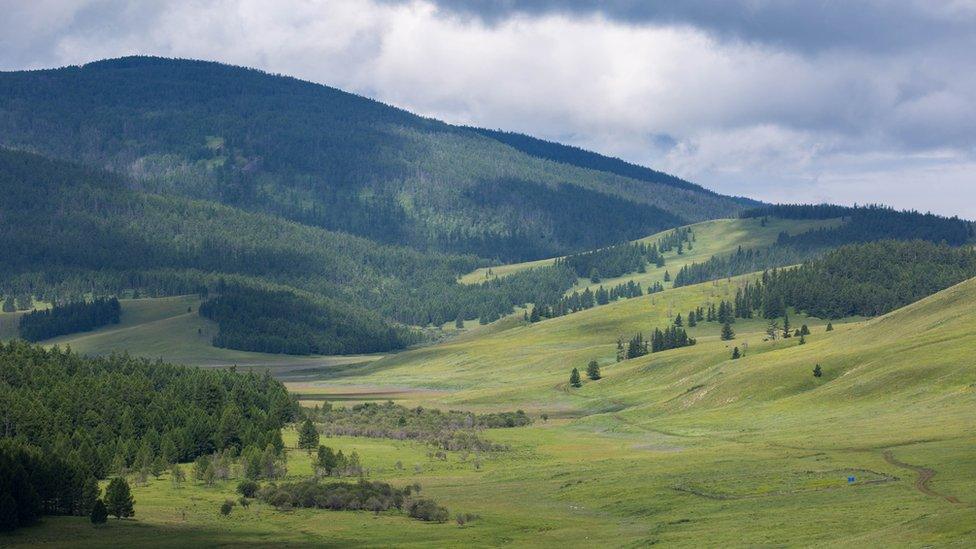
(593, 370)
(620, 349)
(459, 322)
(817, 372)
(727, 332)
(308, 435)
(678, 321)
(594, 275)
(8, 305)
(786, 326)
(535, 317)
(772, 329)
(804, 330)
(574, 379)
(692, 321)
(667, 276)
(735, 353)
(803, 339)
(830, 326)
(99, 513)
(118, 498)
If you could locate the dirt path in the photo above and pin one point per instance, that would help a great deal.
(924, 476)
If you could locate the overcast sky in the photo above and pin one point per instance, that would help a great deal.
(792, 101)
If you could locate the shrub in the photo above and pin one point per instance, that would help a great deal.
(226, 507)
(248, 488)
(427, 510)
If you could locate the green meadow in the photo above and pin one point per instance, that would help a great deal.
(685, 447)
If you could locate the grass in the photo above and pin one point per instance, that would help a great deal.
(170, 328)
(685, 447)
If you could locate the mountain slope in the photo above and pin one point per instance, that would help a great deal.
(324, 157)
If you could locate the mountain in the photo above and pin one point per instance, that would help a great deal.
(326, 158)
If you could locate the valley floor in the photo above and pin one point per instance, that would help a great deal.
(685, 447)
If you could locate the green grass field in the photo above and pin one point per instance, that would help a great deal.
(170, 328)
(685, 447)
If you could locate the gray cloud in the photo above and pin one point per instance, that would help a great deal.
(872, 25)
(781, 101)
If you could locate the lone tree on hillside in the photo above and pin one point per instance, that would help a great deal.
(736, 354)
(574, 379)
(786, 326)
(817, 372)
(593, 370)
(727, 332)
(308, 435)
(667, 276)
(804, 331)
(99, 514)
(118, 498)
(678, 321)
(830, 326)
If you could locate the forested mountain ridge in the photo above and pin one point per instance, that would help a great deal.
(70, 231)
(323, 157)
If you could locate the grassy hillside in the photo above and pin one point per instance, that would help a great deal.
(170, 328)
(327, 158)
(717, 237)
(677, 447)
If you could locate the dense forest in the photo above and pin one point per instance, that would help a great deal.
(66, 421)
(118, 412)
(268, 321)
(98, 236)
(79, 316)
(326, 158)
(867, 279)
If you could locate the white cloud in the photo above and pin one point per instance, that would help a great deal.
(742, 116)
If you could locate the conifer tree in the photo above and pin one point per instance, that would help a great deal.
(308, 435)
(803, 339)
(459, 322)
(817, 372)
(678, 321)
(786, 326)
(692, 322)
(593, 370)
(804, 330)
(830, 326)
(736, 354)
(574, 379)
(667, 276)
(772, 328)
(118, 498)
(727, 332)
(99, 514)
(8, 305)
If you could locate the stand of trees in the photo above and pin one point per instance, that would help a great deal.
(115, 413)
(866, 224)
(613, 261)
(253, 319)
(587, 299)
(81, 316)
(863, 279)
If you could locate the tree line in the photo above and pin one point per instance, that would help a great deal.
(79, 316)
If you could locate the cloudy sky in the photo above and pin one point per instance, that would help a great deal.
(787, 101)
